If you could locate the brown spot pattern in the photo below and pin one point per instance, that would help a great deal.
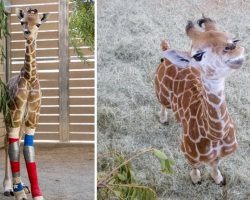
(183, 91)
(25, 92)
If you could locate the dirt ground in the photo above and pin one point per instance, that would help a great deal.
(129, 35)
(65, 172)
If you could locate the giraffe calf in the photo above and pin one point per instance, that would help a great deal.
(25, 102)
(192, 85)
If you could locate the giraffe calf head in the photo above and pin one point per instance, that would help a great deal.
(30, 22)
(216, 53)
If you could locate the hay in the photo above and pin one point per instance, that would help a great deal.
(129, 35)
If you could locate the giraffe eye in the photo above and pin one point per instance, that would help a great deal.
(198, 56)
(236, 41)
(38, 25)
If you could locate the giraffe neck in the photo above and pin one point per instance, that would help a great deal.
(29, 70)
(214, 108)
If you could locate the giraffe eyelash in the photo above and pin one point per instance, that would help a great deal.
(198, 56)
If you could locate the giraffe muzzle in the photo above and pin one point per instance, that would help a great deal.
(26, 32)
(236, 63)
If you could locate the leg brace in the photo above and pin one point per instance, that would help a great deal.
(29, 155)
(14, 154)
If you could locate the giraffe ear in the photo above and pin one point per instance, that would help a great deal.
(45, 17)
(19, 13)
(178, 58)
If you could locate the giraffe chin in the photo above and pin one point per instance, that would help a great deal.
(236, 63)
(235, 66)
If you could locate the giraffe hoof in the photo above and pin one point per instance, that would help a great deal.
(8, 193)
(38, 198)
(163, 120)
(26, 189)
(197, 183)
(223, 182)
(218, 178)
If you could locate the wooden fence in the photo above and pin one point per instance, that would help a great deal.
(67, 113)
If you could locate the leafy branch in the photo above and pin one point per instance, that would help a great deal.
(4, 32)
(82, 25)
(120, 182)
(4, 103)
(4, 94)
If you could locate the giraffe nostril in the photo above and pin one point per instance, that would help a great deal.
(26, 32)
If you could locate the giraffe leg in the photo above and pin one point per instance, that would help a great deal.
(195, 176)
(29, 155)
(14, 155)
(163, 115)
(215, 172)
(7, 183)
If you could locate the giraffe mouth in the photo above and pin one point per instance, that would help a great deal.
(235, 63)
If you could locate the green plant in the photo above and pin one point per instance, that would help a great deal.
(82, 25)
(4, 32)
(4, 94)
(120, 183)
(4, 100)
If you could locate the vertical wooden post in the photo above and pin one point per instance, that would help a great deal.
(63, 71)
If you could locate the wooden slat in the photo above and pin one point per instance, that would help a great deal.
(81, 83)
(39, 53)
(82, 128)
(82, 119)
(46, 136)
(82, 137)
(82, 92)
(81, 101)
(40, 66)
(85, 51)
(18, 2)
(52, 17)
(81, 65)
(41, 8)
(40, 44)
(50, 119)
(50, 83)
(81, 110)
(45, 26)
(83, 74)
(53, 76)
(50, 92)
(47, 128)
(49, 110)
(41, 35)
(50, 101)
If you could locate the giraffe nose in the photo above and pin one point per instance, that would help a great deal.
(26, 32)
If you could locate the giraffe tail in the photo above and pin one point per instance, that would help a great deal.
(164, 47)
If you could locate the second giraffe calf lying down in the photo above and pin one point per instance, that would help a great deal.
(192, 85)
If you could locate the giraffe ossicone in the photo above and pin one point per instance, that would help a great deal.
(192, 85)
(25, 102)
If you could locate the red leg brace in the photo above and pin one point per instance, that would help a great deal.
(35, 190)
